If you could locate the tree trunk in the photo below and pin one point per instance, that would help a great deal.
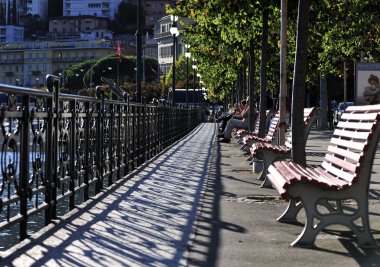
(323, 103)
(251, 86)
(298, 96)
(283, 75)
(263, 74)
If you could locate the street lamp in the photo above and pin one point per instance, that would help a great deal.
(187, 55)
(17, 81)
(37, 80)
(199, 83)
(194, 77)
(174, 32)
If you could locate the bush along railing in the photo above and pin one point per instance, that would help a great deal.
(58, 150)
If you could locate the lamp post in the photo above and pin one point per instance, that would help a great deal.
(187, 55)
(174, 32)
(138, 52)
(17, 81)
(194, 77)
(199, 82)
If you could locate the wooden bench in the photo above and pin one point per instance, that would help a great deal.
(269, 153)
(250, 139)
(241, 133)
(343, 178)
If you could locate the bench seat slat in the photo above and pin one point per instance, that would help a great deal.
(322, 180)
(344, 153)
(349, 144)
(279, 179)
(328, 180)
(287, 173)
(342, 174)
(278, 186)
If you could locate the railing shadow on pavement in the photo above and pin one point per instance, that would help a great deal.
(146, 223)
(204, 250)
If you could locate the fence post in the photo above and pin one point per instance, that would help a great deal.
(86, 153)
(51, 149)
(111, 119)
(99, 139)
(24, 167)
(73, 147)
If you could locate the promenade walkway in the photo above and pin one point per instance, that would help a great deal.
(145, 221)
(196, 204)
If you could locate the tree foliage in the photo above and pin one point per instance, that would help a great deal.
(125, 19)
(219, 37)
(79, 76)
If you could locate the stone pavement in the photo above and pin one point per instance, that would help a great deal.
(238, 224)
(150, 217)
(146, 219)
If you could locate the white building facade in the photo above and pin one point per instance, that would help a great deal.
(11, 34)
(99, 8)
(38, 7)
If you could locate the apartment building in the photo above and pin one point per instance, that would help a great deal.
(83, 27)
(154, 10)
(28, 63)
(98, 8)
(38, 7)
(11, 34)
(165, 42)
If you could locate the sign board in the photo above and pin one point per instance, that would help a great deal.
(367, 85)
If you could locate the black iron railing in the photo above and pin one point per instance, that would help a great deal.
(58, 150)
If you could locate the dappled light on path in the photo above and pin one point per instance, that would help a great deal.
(145, 221)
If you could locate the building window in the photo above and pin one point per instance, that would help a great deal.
(165, 27)
(166, 51)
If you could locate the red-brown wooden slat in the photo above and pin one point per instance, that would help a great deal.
(290, 169)
(341, 163)
(326, 181)
(368, 109)
(341, 183)
(345, 153)
(352, 134)
(342, 174)
(359, 116)
(355, 125)
(278, 185)
(285, 173)
(349, 144)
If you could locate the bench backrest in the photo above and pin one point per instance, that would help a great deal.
(310, 115)
(352, 148)
(273, 126)
(268, 116)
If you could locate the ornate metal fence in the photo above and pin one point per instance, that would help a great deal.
(58, 150)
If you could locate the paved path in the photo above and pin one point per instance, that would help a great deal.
(145, 221)
(238, 227)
